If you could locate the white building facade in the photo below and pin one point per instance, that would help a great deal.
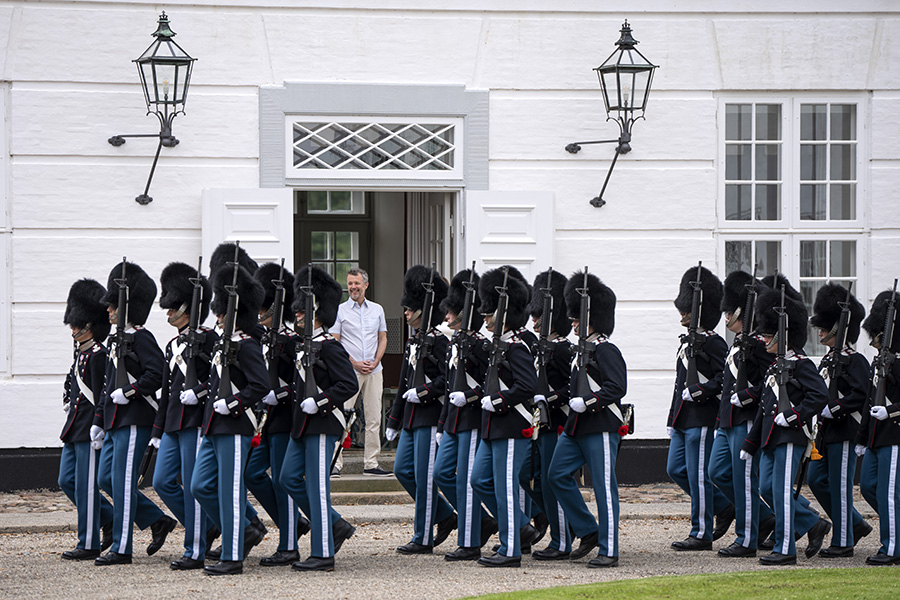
(418, 132)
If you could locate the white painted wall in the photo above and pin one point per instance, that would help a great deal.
(71, 85)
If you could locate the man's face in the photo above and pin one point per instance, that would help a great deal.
(771, 343)
(80, 335)
(300, 319)
(823, 334)
(453, 320)
(177, 322)
(489, 320)
(413, 317)
(357, 287)
(735, 327)
(265, 319)
(112, 314)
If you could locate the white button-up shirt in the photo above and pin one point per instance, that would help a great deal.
(359, 325)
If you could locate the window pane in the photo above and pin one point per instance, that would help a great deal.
(843, 201)
(843, 121)
(322, 245)
(768, 162)
(812, 162)
(327, 266)
(812, 202)
(317, 201)
(737, 202)
(768, 121)
(341, 269)
(738, 256)
(346, 245)
(340, 201)
(737, 121)
(768, 258)
(813, 121)
(843, 259)
(808, 290)
(768, 202)
(812, 259)
(843, 162)
(737, 162)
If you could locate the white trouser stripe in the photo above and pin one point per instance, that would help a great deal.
(563, 530)
(701, 482)
(195, 545)
(429, 484)
(892, 507)
(91, 484)
(845, 516)
(126, 502)
(323, 496)
(748, 496)
(607, 488)
(236, 514)
(512, 486)
(470, 494)
(787, 498)
(291, 525)
(522, 499)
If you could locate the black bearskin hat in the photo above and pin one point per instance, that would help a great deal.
(734, 298)
(456, 298)
(559, 321)
(711, 298)
(776, 281)
(177, 289)
(414, 291)
(603, 302)
(266, 275)
(224, 254)
(326, 294)
(874, 323)
(250, 297)
(827, 311)
(767, 318)
(516, 289)
(141, 292)
(85, 308)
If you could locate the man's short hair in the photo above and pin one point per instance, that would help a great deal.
(361, 272)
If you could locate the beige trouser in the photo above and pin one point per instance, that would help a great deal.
(371, 390)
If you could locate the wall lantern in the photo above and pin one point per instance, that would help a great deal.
(625, 79)
(165, 71)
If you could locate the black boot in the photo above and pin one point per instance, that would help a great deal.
(211, 534)
(303, 526)
(315, 564)
(252, 537)
(488, 528)
(225, 567)
(816, 536)
(723, 521)
(106, 536)
(80, 554)
(541, 523)
(444, 528)
(160, 530)
(280, 558)
(588, 543)
(341, 531)
(463, 554)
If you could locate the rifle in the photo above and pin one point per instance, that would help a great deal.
(584, 348)
(421, 338)
(745, 346)
(340, 445)
(544, 350)
(783, 367)
(227, 348)
(124, 341)
(193, 339)
(464, 337)
(693, 340)
(885, 358)
(310, 349)
(273, 338)
(497, 346)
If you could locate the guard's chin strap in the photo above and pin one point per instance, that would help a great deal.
(268, 313)
(178, 313)
(773, 343)
(734, 317)
(455, 321)
(831, 334)
(415, 315)
(77, 334)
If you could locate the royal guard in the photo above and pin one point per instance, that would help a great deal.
(86, 316)
(838, 314)
(324, 381)
(417, 408)
(177, 431)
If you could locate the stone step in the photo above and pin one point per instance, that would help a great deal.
(353, 460)
(365, 484)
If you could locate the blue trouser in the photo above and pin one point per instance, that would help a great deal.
(804, 516)
(784, 464)
(218, 485)
(78, 480)
(277, 502)
(543, 494)
(495, 480)
(306, 476)
(178, 455)
(453, 475)
(414, 468)
(688, 466)
(120, 462)
(878, 484)
(599, 451)
(831, 482)
(739, 481)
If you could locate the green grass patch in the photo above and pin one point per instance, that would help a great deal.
(800, 584)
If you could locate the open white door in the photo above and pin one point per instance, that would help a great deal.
(509, 228)
(261, 219)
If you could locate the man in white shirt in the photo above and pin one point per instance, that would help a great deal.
(362, 329)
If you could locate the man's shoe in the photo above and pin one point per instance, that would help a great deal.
(215, 553)
(252, 537)
(341, 531)
(160, 530)
(489, 527)
(766, 527)
(768, 543)
(463, 554)
(588, 543)
(414, 548)
(377, 471)
(723, 521)
(257, 522)
(776, 559)
(80, 554)
(186, 563)
(112, 558)
(211, 534)
(550, 554)
(526, 535)
(735, 550)
(106, 536)
(280, 558)
(541, 523)
(303, 527)
(881, 559)
(692, 543)
(600, 562)
(335, 473)
(444, 528)
(315, 564)
(836, 552)
(225, 567)
(498, 560)
(861, 530)
(816, 536)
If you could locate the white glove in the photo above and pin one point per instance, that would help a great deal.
(577, 404)
(118, 397)
(879, 412)
(437, 438)
(309, 406)
(686, 395)
(411, 396)
(188, 398)
(96, 445)
(270, 399)
(780, 420)
(487, 404)
(826, 413)
(457, 399)
(735, 400)
(539, 398)
(391, 434)
(97, 433)
(154, 441)
(745, 455)
(221, 407)
(670, 431)
(859, 449)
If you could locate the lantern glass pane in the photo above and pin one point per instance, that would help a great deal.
(610, 84)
